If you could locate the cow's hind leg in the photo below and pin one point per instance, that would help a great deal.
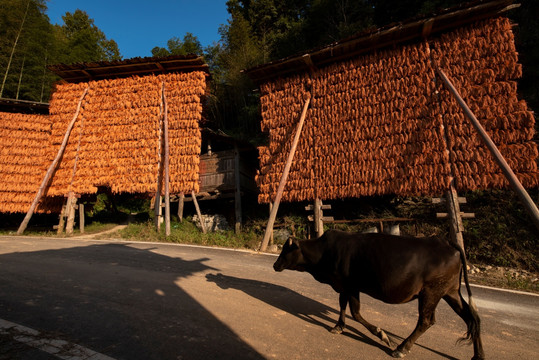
(376, 331)
(471, 318)
(343, 301)
(427, 306)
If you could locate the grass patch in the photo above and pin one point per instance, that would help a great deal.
(186, 232)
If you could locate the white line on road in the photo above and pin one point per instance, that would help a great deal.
(60, 348)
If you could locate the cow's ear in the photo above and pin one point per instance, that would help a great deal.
(290, 241)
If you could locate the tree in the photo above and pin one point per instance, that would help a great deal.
(25, 42)
(175, 46)
(81, 41)
(28, 43)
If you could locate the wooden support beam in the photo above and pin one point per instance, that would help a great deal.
(318, 218)
(52, 167)
(310, 207)
(462, 215)
(284, 177)
(81, 218)
(202, 225)
(70, 225)
(237, 192)
(461, 200)
(181, 203)
(61, 222)
(166, 163)
(324, 219)
(506, 169)
(457, 228)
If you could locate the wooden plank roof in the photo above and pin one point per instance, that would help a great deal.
(389, 35)
(135, 66)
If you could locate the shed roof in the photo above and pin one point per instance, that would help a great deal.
(390, 35)
(136, 66)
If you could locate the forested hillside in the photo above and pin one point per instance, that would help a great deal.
(29, 42)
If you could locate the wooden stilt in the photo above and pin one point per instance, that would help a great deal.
(271, 234)
(81, 218)
(166, 164)
(284, 177)
(71, 213)
(318, 223)
(181, 203)
(453, 209)
(61, 222)
(237, 193)
(158, 211)
(202, 225)
(52, 167)
(506, 169)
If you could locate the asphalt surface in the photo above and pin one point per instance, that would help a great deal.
(87, 299)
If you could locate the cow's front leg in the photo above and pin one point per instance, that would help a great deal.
(343, 301)
(376, 331)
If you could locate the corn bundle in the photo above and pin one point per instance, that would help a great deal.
(117, 139)
(376, 124)
(482, 63)
(24, 155)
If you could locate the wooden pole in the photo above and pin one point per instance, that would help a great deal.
(202, 225)
(509, 174)
(71, 213)
(158, 210)
(284, 177)
(81, 218)
(453, 209)
(271, 232)
(181, 202)
(318, 222)
(237, 193)
(166, 165)
(61, 222)
(52, 168)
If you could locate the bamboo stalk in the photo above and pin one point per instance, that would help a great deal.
(52, 167)
(498, 157)
(284, 177)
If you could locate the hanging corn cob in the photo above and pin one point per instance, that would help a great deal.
(374, 124)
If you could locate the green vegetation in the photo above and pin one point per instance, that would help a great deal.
(186, 232)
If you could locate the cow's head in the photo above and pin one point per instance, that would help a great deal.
(291, 257)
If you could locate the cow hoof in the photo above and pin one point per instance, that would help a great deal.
(337, 330)
(398, 354)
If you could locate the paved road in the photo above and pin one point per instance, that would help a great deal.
(86, 299)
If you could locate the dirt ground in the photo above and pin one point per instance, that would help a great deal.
(503, 277)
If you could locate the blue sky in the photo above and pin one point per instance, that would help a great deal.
(140, 25)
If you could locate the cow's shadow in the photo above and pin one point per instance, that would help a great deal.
(293, 303)
(307, 309)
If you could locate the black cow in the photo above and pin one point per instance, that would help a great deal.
(394, 269)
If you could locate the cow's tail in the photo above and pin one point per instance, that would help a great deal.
(474, 321)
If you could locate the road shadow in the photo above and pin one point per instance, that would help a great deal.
(307, 309)
(118, 300)
(293, 303)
